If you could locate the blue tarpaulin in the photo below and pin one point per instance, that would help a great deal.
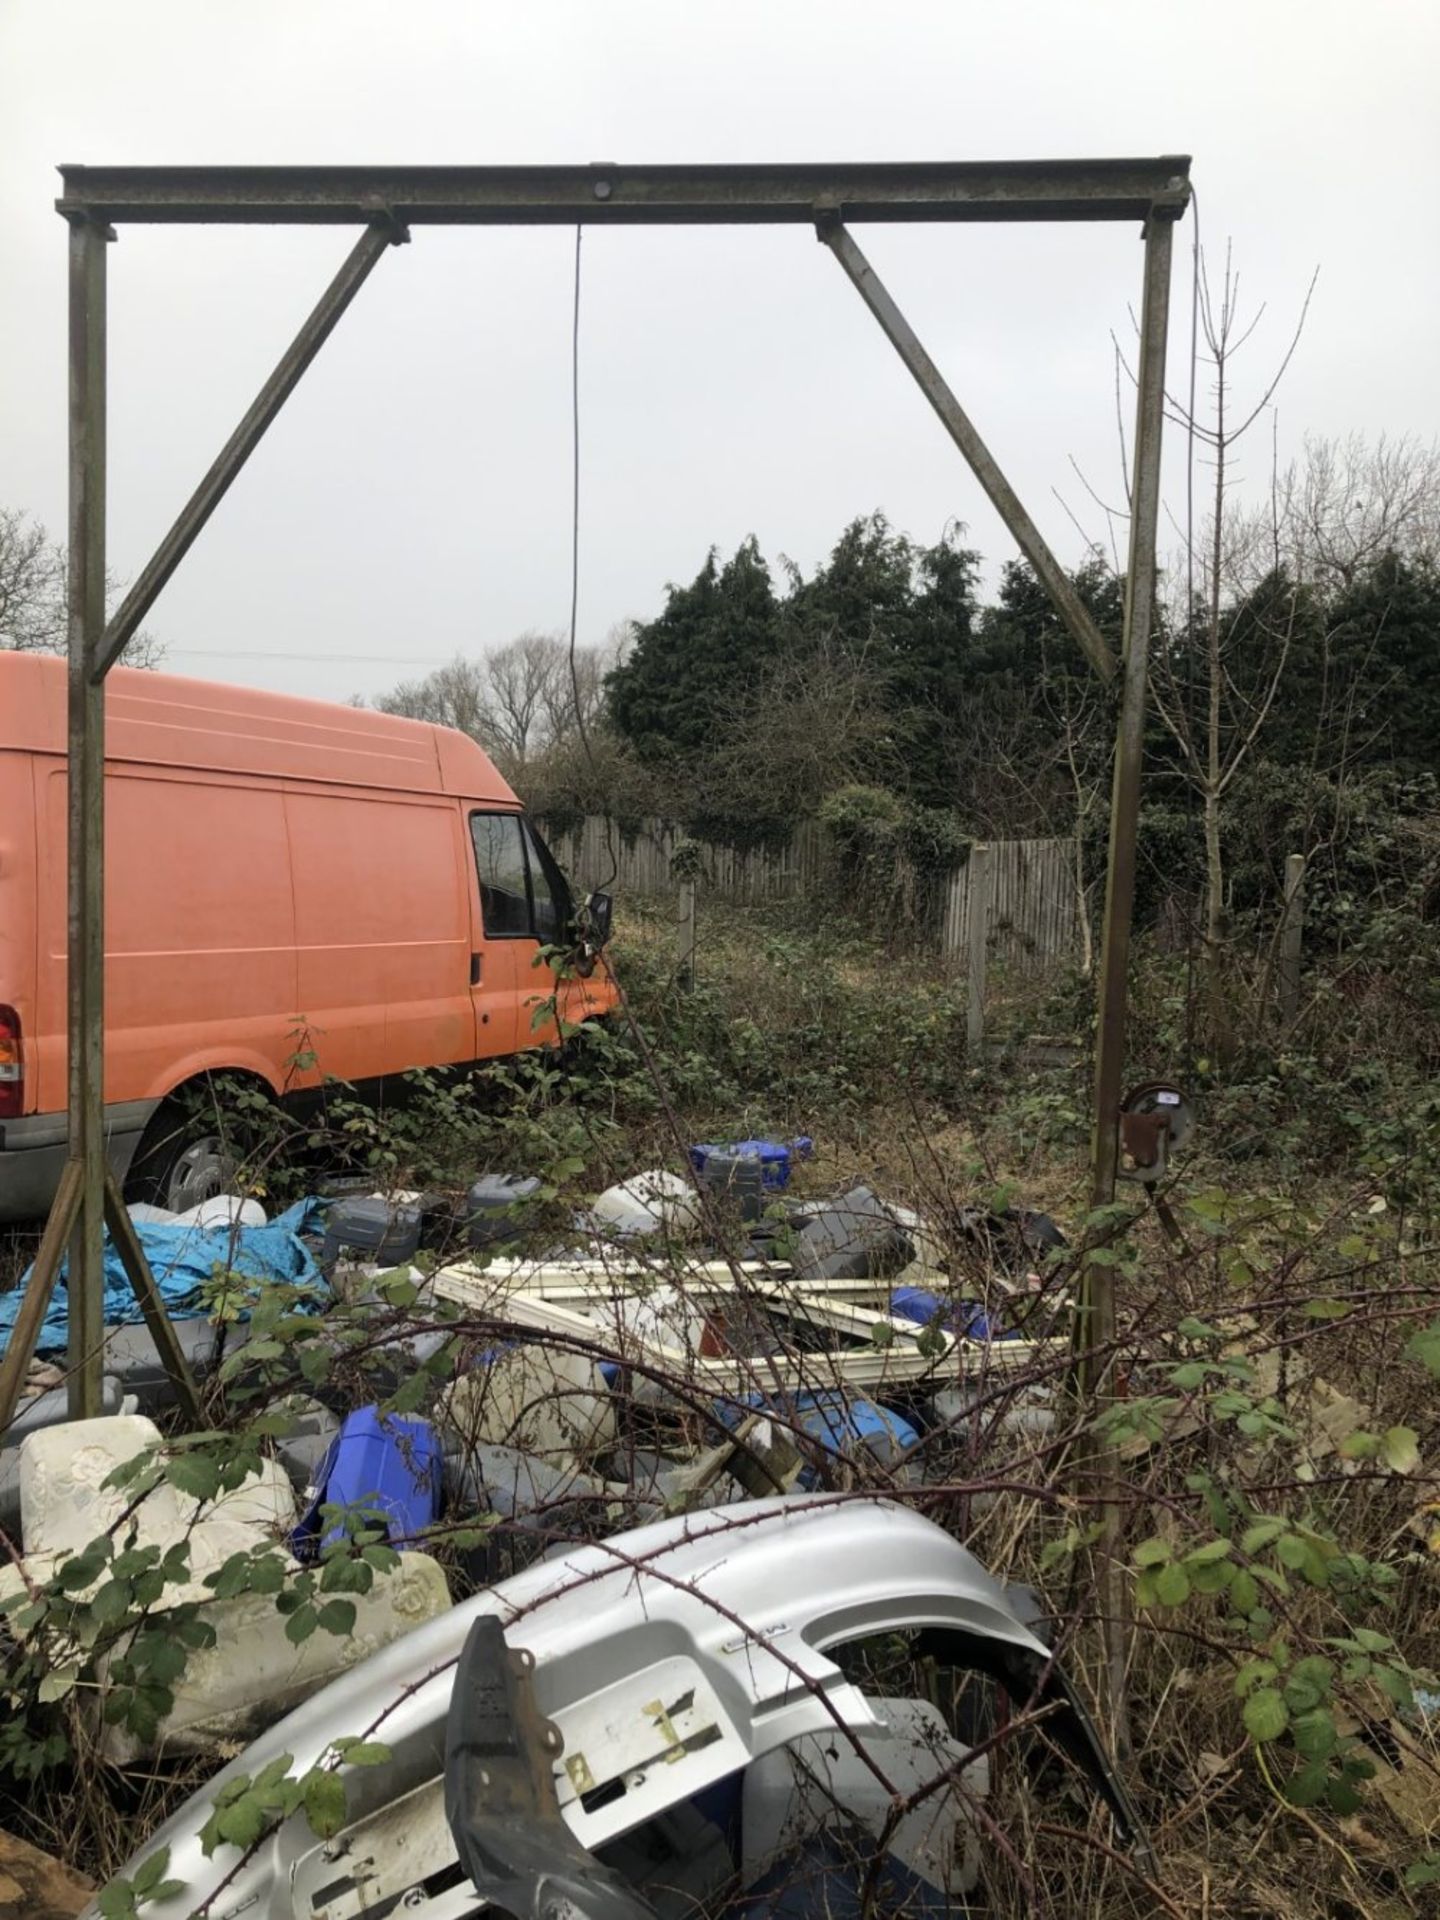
(182, 1259)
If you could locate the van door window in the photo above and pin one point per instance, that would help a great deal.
(553, 912)
(504, 883)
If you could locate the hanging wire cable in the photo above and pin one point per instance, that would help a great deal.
(575, 494)
(580, 726)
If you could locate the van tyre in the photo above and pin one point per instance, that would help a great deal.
(193, 1148)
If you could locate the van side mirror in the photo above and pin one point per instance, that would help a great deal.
(599, 912)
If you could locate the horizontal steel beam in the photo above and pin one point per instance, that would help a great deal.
(606, 194)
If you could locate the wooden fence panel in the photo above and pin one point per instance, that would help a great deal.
(1033, 921)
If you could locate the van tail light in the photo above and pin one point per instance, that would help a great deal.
(12, 1066)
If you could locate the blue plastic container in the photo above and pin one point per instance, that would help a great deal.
(965, 1317)
(383, 1462)
(837, 1421)
(842, 1424)
(774, 1156)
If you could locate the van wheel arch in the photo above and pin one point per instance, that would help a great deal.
(198, 1138)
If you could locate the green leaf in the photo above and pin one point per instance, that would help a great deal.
(1151, 1553)
(1425, 1347)
(1396, 1685)
(194, 1473)
(273, 1772)
(1305, 1788)
(1260, 1534)
(336, 1616)
(162, 1656)
(1212, 1550)
(362, 1753)
(301, 1623)
(1189, 1375)
(151, 1872)
(1325, 1309)
(1212, 1576)
(1302, 1696)
(345, 1574)
(111, 1603)
(1264, 1714)
(1172, 1585)
(1360, 1446)
(1316, 1564)
(1273, 1578)
(1252, 1672)
(1401, 1449)
(242, 1824)
(324, 1802)
(1244, 1593)
(1342, 1797)
(1369, 1641)
(1315, 1669)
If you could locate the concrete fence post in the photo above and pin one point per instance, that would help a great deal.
(1291, 929)
(685, 935)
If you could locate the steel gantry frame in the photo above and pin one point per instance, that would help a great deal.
(386, 202)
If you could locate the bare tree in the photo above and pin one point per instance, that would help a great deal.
(1215, 713)
(523, 699)
(574, 696)
(1347, 503)
(454, 695)
(32, 586)
(34, 594)
(524, 688)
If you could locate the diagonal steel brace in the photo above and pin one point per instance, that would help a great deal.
(961, 429)
(383, 233)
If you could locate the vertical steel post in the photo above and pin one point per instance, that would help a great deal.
(86, 898)
(1130, 736)
(1291, 929)
(978, 915)
(1096, 1330)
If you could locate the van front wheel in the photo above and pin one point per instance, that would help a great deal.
(193, 1148)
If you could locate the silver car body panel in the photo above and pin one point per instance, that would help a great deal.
(669, 1658)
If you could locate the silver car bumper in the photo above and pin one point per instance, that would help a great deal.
(669, 1658)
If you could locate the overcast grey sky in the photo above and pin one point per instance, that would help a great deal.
(414, 498)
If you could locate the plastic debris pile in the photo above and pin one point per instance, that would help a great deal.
(681, 1347)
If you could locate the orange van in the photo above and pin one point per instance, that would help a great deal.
(283, 877)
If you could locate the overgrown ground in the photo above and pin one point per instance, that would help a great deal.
(1275, 1446)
